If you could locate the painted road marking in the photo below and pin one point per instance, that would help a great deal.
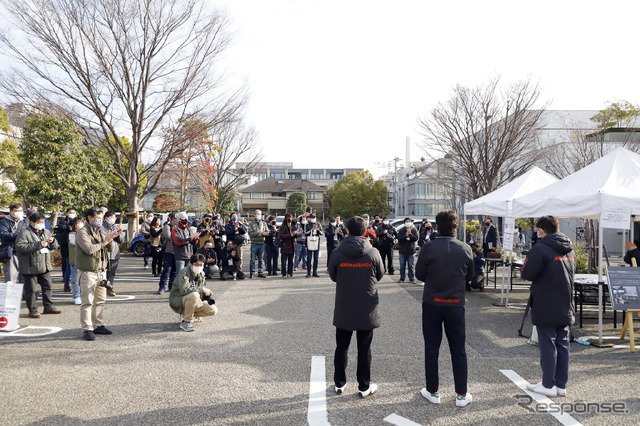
(317, 411)
(397, 420)
(18, 332)
(68, 296)
(563, 418)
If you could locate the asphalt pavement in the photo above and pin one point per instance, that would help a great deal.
(252, 363)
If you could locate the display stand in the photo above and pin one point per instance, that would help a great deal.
(628, 324)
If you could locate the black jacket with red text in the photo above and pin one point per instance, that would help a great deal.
(356, 267)
(551, 266)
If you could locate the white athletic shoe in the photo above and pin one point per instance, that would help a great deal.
(538, 388)
(561, 392)
(77, 301)
(463, 401)
(340, 390)
(372, 389)
(433, 398)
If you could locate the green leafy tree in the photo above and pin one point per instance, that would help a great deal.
(166, 202)
(617, 114)
(5, 126)
(9, 161)
(297, 203)
(358, 193)
(57, 171)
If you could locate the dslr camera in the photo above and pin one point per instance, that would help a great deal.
(209, 299)
(106, 284)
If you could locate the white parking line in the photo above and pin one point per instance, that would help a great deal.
(317, 411)
(397, 420)
(18, 332)
(563, 418)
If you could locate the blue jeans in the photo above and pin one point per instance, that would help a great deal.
(147, 252)
(73, 277)
(272, 258)
(406, 259)
(66, 271)
(168, 271)
(181, 264)
(301, 253)
(312, 254)
(257, 250)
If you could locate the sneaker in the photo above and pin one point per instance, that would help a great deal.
(538, 388)
(250, 276)
(412, 281)
(88, 335)
(304, 267)
(372, 389)
(561, 392)
(340, 390)
(34, 314)
(262, 276)
(161, 291)
(307, 276)
(146, 267)
(102, 330)
(400, 281)
(420, 283)
(51, 310)
(433, 398)
(77, 301)
(463, 401)
(186, 326)
(111, 293)
(295, 269)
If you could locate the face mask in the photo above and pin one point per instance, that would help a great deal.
(233, 219)
(71, 216)
(407, 224)
(150, 218)
(312, 220)
(377, 220)
(273, 223)
(487, 223)
(39, 226)
(258, 217)
(304, 222)
(18, 215)
(428, 229)
(289, 220)
(111, 221)
(385, 222)
(229, 248)
(184, 221)
(197, 269)
(97, 223)
(80, 226)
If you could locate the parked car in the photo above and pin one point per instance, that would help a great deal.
(137, 245)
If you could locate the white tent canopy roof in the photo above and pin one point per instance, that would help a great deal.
(496, 203)
(613, 181)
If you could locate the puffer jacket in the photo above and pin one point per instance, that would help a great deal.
(356, 267)
(551, 266)
(8, 228)
(31, 260)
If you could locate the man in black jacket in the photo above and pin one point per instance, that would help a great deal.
(490, 241)
(426, 233)
(356, 267)
(446, 266)
(551, 265)
(386, 239)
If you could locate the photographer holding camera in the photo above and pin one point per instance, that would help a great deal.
(92, 261)
(189, 297)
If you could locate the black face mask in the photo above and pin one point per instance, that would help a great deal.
(428, 229)
(487, 223)
(273, 223)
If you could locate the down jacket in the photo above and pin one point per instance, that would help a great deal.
(31, 260)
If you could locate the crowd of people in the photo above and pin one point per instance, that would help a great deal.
(359, 254)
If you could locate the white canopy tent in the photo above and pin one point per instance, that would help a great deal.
(610, 183)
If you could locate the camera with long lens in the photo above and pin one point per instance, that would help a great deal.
(209, 299)
(106, 284)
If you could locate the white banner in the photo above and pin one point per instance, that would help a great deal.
(507, 233)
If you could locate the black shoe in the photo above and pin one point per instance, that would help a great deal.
(391, 272)
(262, 276)
(88, 335)
(316, 275)
(307, 276)
(51, 310)
(102, 330)
(67, 289)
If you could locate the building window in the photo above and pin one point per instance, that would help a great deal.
(337, 176)
(421, 209)
(277, 175)
(262, 176)
(421, 191)
(430, 191)
(317, 175)
(311, 195)
(278, 195)
(256, 195)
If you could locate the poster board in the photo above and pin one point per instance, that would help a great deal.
(624, 287)
(507, 233)
(10, 299)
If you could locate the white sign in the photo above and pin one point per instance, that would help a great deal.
(507, 239)
(615, 217)
(10, 298)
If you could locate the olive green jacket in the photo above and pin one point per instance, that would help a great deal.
(31, 259)
(184, 284)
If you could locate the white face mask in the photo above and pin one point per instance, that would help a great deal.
(71, 216)
(150, 218)
(386, 222)
(304, 222)
(39, 226)
(80, 226)
(258, 217)
(197, 269)
(111, 221)
(407, 224)
(18, 215)
(312, 220)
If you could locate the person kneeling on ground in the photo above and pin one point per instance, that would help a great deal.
(189, 297)
(478, 268)
(211, 260)
(230, 263)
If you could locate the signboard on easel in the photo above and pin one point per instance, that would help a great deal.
(10, 299)
(624, 287)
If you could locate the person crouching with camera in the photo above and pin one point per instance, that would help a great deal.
(189, 297)
(92, 261)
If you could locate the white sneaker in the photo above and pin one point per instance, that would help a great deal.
(186, 326)
(561, 392)
(77, 301)
(340, 390)
(146, 267)
(463, 401)
(420, 283)
(372, 389)
(433, 398)
(538, 388)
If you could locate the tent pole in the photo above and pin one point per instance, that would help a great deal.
(600, 282)
(464, 228)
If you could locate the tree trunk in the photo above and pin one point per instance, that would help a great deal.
(132, 228)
